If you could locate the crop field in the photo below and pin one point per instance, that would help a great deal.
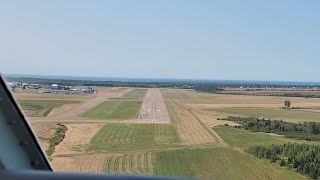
(129, 137)
(220, 163)
(115, 110)
(41, 108)
(292, 115)
(241, 139)
(131, 163)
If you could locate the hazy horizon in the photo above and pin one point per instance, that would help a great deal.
(211, 40)
(153, 79)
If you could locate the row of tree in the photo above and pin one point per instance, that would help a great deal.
(208, 88)
(297, 95)
(303, 158)
(306, 131)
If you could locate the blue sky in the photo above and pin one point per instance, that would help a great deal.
(237, 40)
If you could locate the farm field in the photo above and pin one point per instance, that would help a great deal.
(42, 108)
(130, 137)
(141, 163)
(242, 139)
(270, 92)
(115, 110)
(292, 115)
(220, 163)
(44, 132)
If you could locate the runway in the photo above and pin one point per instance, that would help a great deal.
(154, 109)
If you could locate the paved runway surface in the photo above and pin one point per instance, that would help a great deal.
(154, 109)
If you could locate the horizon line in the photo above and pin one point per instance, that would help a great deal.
(14, 75)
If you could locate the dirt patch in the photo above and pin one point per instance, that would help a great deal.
(211, 118)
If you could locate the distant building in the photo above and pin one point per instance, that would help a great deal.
(57, 90)
(33, 86)
(54, 86)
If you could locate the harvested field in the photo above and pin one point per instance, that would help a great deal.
(290, 115)
(190, 130)
(209, 118)
(128, 137)
(270, 92)
(81, 163)
(115, 110)
(131, 163)
(44, 131)
(77, 134)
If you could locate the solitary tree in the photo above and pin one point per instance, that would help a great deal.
(282, 162)
(287, 104)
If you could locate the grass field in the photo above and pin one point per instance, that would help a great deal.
(174, 94)
(274, 113)
(242, 139)
(217, 163)
(129, 137)
(136, 94)
(131, 163)
(115, 110)
(41, 108)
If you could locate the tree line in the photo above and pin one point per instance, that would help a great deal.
(198, 85)
(303, 158)
(65, 82)
(297, 95)
(208, 88)
(309, 131)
